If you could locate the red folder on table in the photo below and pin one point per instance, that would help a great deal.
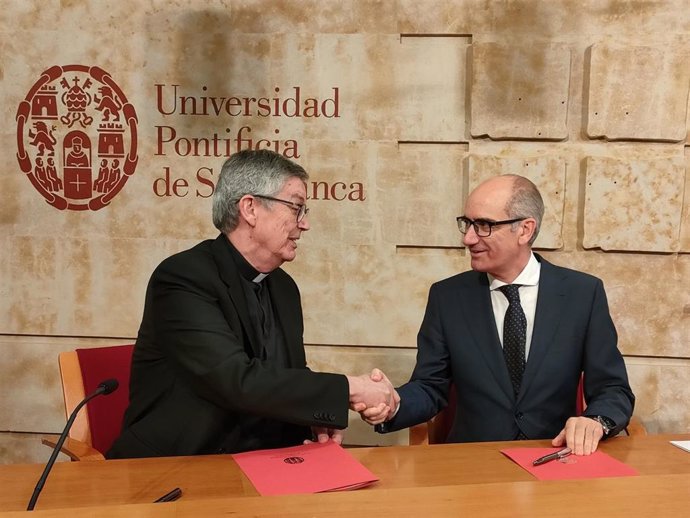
(596, 465)
(311, 468)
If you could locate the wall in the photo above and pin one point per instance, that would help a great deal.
(417, 101)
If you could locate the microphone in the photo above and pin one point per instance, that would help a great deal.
(104, 387)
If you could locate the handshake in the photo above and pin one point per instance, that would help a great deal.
(373, 396)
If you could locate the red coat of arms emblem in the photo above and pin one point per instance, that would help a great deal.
(77, 137)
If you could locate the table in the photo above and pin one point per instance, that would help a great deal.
(414, 481)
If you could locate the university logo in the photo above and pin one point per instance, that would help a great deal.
(77, 137)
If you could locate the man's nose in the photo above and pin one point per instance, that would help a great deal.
(304, 225)
(470, 237)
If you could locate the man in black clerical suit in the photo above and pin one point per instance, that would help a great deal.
(219, 363)
(515, 370)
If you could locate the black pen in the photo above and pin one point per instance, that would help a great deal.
(169, 497)
(557, 455)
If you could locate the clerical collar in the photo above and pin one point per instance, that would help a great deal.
(247, 271)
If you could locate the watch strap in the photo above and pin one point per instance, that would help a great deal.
(606, 423)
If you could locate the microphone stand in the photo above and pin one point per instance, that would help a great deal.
(102, 389)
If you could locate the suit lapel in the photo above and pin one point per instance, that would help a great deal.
(477, 306)
(551, 302)
(231, 278)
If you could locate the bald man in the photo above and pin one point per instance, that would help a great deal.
(513, 336)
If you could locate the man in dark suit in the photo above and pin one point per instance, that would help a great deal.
(219, 363)
(515, 369)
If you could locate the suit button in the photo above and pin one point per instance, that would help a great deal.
(331, 417)
(519, 415)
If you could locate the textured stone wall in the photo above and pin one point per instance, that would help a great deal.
(405, 106)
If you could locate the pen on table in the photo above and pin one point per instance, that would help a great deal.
(560, 454)
(169, 497)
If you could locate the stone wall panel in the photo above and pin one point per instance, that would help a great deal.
(638, 93)
(634, 205)
(520, 92)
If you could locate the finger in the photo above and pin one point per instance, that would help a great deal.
(319, 433)
(573, 439)
(595, 443)
(559, 440)
(583, 434)
(377, 419)
(374, 414)
(376, 410)
(376, 375)
(592, 437)
(337, 436)
(358, 407)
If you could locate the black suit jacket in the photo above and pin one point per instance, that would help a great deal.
(198, 377)
(458, 342)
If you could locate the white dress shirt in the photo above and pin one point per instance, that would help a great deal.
(529, 279)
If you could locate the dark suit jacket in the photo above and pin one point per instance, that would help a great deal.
(198, 376)
(458, 342)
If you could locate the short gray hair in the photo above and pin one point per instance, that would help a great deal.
(250, 172)
(525, 202)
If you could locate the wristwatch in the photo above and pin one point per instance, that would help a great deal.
(607, 424)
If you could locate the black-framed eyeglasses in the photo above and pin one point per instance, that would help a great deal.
(302, 210)
(482, 227)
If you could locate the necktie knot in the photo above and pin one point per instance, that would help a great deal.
(511, 291)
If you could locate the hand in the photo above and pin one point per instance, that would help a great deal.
(325, 434)
(380, 413)
(581, 434)
(370, 391)
(383, 411)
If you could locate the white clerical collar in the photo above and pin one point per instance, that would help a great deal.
(259, 278)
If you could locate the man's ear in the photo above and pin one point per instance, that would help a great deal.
(247, 207)
(527, 229)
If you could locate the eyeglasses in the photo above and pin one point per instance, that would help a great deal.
(482, 227)
(302, 210)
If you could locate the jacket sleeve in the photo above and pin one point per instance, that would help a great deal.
(606, 386)
(198, 328)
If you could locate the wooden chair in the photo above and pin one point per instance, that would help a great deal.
(435, 431)
(99, 423)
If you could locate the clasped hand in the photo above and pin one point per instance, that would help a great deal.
(373, 396)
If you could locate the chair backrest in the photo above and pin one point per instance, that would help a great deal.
(580, 403)
(438, 428)
(81, 371)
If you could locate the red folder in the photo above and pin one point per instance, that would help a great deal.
(598, 464)
(311, 468)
